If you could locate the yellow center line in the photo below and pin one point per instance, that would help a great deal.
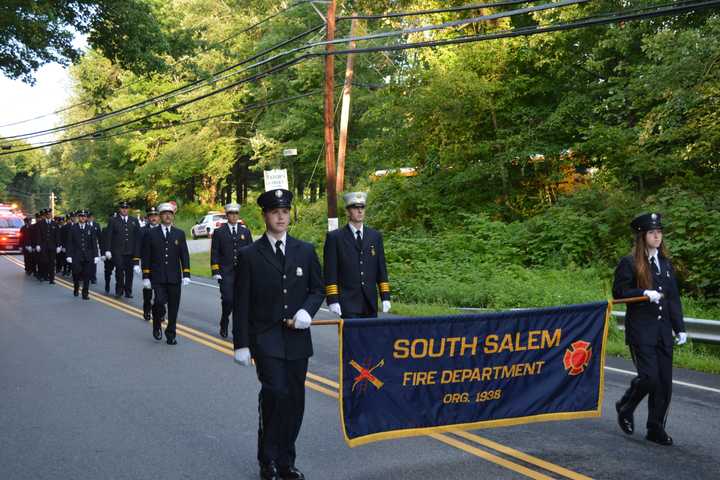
(226, 347)
(551, 467)
(441, 437)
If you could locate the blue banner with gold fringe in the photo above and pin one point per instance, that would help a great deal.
(412, 376)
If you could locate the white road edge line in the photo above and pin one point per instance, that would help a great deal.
(676, 382)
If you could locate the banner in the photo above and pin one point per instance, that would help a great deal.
(412, 376)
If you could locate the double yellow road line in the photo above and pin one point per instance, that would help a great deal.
(470, 443)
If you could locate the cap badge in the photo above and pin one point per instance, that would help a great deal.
(278, 193)
(654, 216)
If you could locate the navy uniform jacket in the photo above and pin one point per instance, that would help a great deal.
(121, 236)
(649, 323)
(137, 254)
(25, 236)
(64, 234)
(165, 260)
(224, 248)
(353, 276)
(82, 244)
(47, 235)
(98, 232)
(266, 295)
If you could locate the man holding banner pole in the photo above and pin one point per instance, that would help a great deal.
(355, 267)
(278, 291)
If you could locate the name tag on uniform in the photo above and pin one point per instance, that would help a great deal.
(372, 250)
(299, 272)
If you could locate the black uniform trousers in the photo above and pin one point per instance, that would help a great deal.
(227, 297)
(654, 379)
(123, 274)
(166, 293)
(281, 404)
(28, 259)
(147, 300)
(46, 265)
(109, 266)
(82, 272)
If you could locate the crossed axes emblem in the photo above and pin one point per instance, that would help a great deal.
(366, 374)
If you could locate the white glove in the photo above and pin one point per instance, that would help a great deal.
(217, 277)
(681, 338)
(37, 248)
(185, 281)
(302, 319)
(137, 269)
(242, 356)
(68, 259)
(386, 306)
(58, 250)
(335, 308)
(63, 249)
(29, 249)
(108, 255)
(96, 260)
(653, 295)
(146, 284)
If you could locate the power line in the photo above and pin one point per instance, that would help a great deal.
(526, 31)
(198, 84)
(245, 30)
(460, 8)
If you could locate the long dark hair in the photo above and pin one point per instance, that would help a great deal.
(640, 259)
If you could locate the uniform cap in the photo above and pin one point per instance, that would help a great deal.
(647, 221)
(166, 207)
(353, 199)
(232, 208)
(82, 213)
(278, 198)
(151, 211)
(123, 204)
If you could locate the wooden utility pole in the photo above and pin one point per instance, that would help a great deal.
(345, 114)
(330, 121)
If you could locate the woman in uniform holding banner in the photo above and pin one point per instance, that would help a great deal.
(649, 325)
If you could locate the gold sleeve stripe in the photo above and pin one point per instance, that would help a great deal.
(384, 287)
(215, 266)
(136, 258)
(331, 290)
(186, 270)
(146, 270)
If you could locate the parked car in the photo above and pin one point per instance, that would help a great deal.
(10, 232)
(207, 224)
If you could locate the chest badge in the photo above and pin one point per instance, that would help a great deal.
(299, 272)
(242, 236)
(177, 243)
(372, 250)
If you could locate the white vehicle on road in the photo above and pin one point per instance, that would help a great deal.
(207, 224)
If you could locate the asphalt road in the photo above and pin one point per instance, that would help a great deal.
(85, 393)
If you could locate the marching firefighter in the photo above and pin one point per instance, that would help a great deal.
(224, 250)
(355, 268)
(165, 267)
(121, 238)
(83, 253)
(153, 217)
(46, 241)
(278, 291)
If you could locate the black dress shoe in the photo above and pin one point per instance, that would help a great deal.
(76, 292)
(223, 331)
(290, 473)
(625, 419)
(146, 316)
(171, 341)
(128, 295)
(157, 334)
(269, 471)
(51, 282)
(660, 437)
(86, 297)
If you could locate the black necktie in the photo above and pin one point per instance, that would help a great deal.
(232, 230)
(654, 265)
(279, 253)
(358, 240)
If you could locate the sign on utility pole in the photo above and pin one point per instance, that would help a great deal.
(275, 179)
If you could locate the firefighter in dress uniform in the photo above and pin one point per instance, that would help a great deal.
(278, 291)
(649, 326)
(98, 232)
(355, 267)
(107, 262)
(224, 250)
(26, 246)
(60, 265)
(122, 232)
(165, 266)
(46, 240)
(153, 217)
(83, 253)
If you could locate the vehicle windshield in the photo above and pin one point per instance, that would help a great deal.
(10, 222)
(219, 217)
